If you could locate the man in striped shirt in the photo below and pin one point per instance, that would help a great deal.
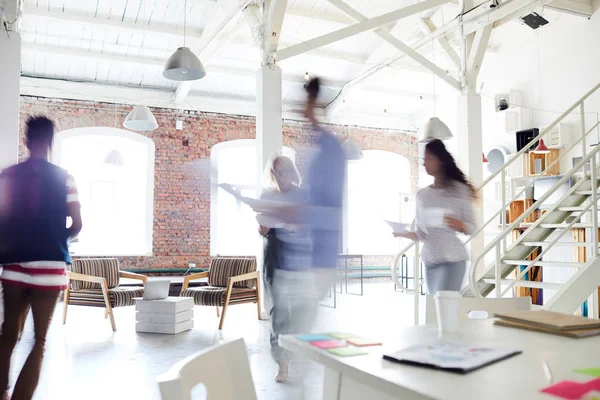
(36, 198)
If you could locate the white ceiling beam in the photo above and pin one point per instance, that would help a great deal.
(449, 51)
(583, 9)
(227, 26)
(355, 29)
(477, 53)
(83, 18)
(505, 11)
(273, 25)
(307, 13)
(197, 101)
(60, 51)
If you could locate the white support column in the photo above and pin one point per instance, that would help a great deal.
(10, 48)
(470, 137)
(269, 127)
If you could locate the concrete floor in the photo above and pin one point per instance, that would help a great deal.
(86, 360)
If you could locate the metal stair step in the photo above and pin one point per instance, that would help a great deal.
(528, 284)
(567, 244)
(564, 225)
(572, 209)
(557, 264)
(583, 192)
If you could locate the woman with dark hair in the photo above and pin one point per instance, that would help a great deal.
(443, 210)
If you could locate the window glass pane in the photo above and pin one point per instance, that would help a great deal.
(236, 229)
(379, 187)
(113, 197)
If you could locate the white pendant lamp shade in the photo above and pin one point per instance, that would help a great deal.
(183, 65)
(140, 119)
(351, 149)
(434, 129)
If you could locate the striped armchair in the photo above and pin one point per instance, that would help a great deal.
(94, 282)
(231, 280)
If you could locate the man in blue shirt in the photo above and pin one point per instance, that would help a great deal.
(325, 181)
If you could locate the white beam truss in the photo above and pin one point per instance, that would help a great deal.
(355, 29)
(273, 25)
(83, 18)
(448, 49)
(476, 54)
(218, 34)
(482, 16)
(398, 44)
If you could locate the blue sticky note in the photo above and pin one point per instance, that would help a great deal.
(313, 337)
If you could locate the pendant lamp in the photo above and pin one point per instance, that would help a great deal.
(541, 148)
(434, 129)
(140, 119)
(352, 150)
(183, 65)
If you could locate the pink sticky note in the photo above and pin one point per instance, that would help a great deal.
(572, 390)
(329, 344)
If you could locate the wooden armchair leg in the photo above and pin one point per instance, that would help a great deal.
(225, 304)
(66, 301)
(109, 308)
(258, 300)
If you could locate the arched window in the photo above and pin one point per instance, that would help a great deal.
(114, 172)
(234, 230)
(379, 186)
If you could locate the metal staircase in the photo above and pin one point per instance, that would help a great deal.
(578, 208)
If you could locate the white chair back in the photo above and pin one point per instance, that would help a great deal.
(476, 308)
(224, 370)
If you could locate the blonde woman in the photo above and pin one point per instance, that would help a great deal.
(286, 263)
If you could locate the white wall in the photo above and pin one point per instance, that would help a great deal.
(552, 66)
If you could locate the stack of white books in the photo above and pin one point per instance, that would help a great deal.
(172, 315)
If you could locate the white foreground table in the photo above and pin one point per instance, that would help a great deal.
(370, 377)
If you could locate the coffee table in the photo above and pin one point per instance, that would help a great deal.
(172, 315)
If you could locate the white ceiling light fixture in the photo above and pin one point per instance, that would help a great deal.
(183, 65)
(141, 118)
(433, 129)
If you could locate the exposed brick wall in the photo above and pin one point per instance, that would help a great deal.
(181, 194)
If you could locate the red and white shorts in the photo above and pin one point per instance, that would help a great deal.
(36, 274)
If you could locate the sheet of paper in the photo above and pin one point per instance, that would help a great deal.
(362, 342)
(340, 335)
(572, 390)
(257, 205)
(397, 227)
(329, 344)
(347, 351)
(311, 337)
(595, 372)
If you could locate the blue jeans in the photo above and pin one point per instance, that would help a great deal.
(444, 276)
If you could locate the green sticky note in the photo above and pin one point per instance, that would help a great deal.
(595, 372)
(339, 335)
(347, 351)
